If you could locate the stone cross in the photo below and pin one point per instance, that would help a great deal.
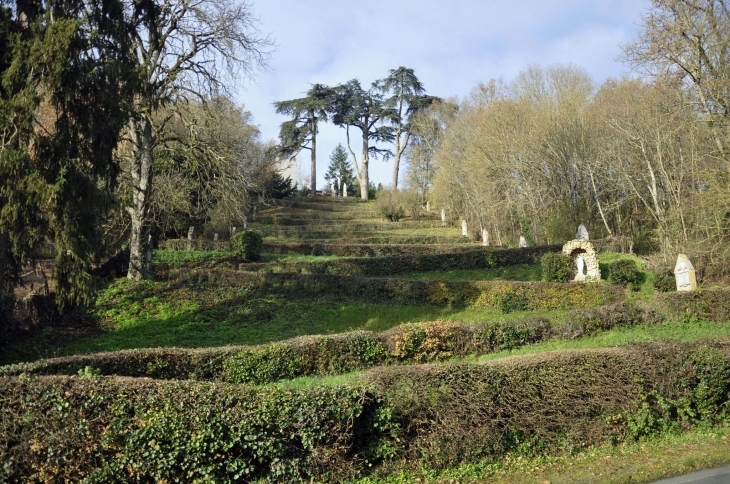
(339, 180)
(463, 229)
(191, 231)
(523, 242)
(684, 272)
(582, 233)
(485, 237)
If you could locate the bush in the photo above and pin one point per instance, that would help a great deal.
(581, 322)
(708, 305)
(390, 205)
(556, 267)
(247, 245)
(665, 282)
(625, 273)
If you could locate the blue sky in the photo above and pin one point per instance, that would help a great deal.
(451, 45)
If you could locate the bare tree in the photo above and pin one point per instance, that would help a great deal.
(183, 48)
(689, 39)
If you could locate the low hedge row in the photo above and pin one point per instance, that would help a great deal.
(360, 250)
(337, 354)
(476, 258)
(506, 296)
(374, 238)
(59, 429)
(335, 228)
(710, 305)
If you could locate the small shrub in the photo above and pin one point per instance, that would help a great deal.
(247, 245)
(511, 302)
(556, 267)
(390, 205)
(665, 282)
(624, 272)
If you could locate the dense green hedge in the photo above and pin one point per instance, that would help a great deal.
(483, 294)
(476, 258)
(338, 354)
(710, 305)
(69, 429)
(56, 429)
(361, 250)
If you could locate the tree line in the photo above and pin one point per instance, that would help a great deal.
(641, 157)
(115, 124)
(381, 113)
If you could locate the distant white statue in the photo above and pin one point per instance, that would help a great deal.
(582, 233)
(581, 266)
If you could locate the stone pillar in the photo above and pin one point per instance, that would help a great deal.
(215, 237)
(245, 222)
(443, 217)
(464, 232)
(684, 272)
(523, 242)
(428, 207)
(191, 231)
(344, 190)
(485, 237)
(233, 232)
(254, 213)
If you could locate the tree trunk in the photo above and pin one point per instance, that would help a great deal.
(313, 182)
(143, 144)
(398, 153)
(364, 181)
(5, 286)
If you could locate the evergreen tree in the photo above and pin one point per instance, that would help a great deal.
(339, 164)
(65, 90)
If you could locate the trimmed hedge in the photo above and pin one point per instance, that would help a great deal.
(483, 294)
(73, 429)
(360, 250)
(556, 267)
(247, 245)
(374, 238)
(479, 258)
(56, 429)
(338, 354)
(710, 305)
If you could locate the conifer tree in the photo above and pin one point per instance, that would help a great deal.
(340, 165)
(66, 86)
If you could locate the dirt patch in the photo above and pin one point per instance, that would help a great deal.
(36, 279)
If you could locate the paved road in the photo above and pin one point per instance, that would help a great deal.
(713, 476)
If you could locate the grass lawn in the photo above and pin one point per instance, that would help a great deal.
(160, 314)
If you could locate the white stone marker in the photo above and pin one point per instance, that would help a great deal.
(463, 229)
(684, 272)
(485, 237)
(344, 190)
(523, 242)
(443, 216)
(254, 212)
(582, 233)
(233, 232)
(191, 231)
(428, 207)
(332, 189)
(245, 222)
(215, 237)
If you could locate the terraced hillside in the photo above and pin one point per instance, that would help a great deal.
(358, 348)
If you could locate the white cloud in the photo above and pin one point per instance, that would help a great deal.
(451, 45)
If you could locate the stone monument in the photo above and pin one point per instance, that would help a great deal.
(523, 242)
(332, 189)
(443, 216)
(245, 222)
(464, 232)
(344, 190)
(584, 257)
(582, 233)
(215, 237)
(684, 272)
(485, 237)
(191, 231)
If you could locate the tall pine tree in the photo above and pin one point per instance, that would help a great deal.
(66, 84)
(339, 164)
